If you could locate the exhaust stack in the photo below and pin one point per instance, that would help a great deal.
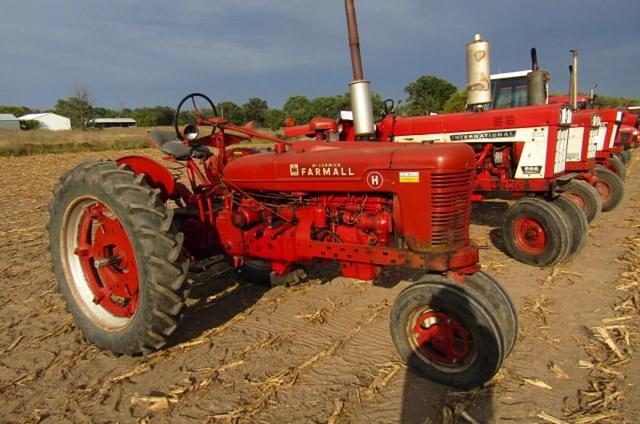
(573, 80)
(359, 88)
(478, 73)
(537, 81)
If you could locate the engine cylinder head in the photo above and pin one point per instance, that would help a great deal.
(362, 107)
(478, 72)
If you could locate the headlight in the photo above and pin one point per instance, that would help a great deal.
(596, 120)
(566, 116)
(191, 132)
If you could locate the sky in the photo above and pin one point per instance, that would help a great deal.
(153, 52)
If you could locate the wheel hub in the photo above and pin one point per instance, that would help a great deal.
(575, 199)
(107, 260)
(603, 190)
(530, 236)
(441, 338)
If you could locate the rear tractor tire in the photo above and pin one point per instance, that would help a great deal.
(610, 187)
(117, 257)
(577, 222)
(536, 232)
(585, 196)
(449, 332)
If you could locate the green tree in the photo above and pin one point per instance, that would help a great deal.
(15, 110)
(255, 109)
(231, 112)
(612, 101)
(274, 119)
(427, 94)
(153, 116)
(330, 107)
(456, 103)
(78, 108)
(298, 108)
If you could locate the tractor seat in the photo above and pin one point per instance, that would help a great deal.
(169, 144)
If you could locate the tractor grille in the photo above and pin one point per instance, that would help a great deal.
(450, 208)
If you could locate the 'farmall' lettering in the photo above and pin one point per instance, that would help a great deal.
(483, 135)
(320, 170)
(326, 172)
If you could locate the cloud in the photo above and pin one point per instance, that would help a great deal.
(147, 50)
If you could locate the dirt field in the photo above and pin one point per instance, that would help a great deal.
(320, 351)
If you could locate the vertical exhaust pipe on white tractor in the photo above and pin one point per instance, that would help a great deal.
(478, 74)
(359, 88)
(573, 80)
(537, 82)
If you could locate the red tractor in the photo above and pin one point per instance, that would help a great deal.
(508, 89)
(519, 153)
(610, 147)
(123, 233)
(602, 169)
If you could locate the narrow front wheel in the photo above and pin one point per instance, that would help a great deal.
(536, 232)
(585, 196)
(448, 332)
(610, 187)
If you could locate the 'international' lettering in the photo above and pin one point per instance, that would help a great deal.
(483, 135)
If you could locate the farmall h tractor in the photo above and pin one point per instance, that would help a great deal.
(121, 250)
(518, 153)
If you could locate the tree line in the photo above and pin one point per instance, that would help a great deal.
(427, 94)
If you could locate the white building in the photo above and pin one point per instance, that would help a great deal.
(111, 122)
(9, 121)
(49, 121)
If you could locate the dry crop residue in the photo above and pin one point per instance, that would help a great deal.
(319, 351)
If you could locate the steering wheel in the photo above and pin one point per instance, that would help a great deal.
(388, 107)
(196, 110)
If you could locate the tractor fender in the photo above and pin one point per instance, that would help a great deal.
(158, 176)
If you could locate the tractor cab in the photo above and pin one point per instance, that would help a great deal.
(509, 89)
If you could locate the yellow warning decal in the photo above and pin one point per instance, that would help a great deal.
(410, 177)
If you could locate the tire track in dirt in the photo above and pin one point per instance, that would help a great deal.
(240, 346)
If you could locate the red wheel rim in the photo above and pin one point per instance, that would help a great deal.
(576, 200)
(107, 260)
(441, 338)
(604, 190)
(529, 235)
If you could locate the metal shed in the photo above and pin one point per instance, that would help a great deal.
(9, 121)
(111, 122)
(49, 121)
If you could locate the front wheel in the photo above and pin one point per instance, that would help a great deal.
(497, 296)
(117, 258)
(610, 187)
(585, 196)
(448, 332)
(577, 223)
(536, 232)
(615, 165)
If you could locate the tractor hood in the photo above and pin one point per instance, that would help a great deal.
(344, 166)
(471, 122)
